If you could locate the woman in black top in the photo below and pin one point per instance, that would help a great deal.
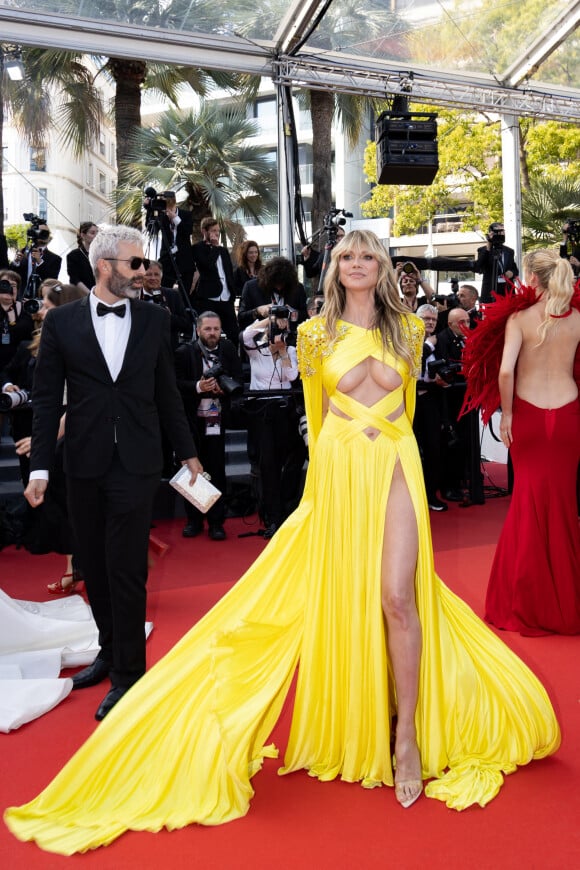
(77, 262)
(250, 264)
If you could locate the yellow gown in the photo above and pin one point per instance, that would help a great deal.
(183, 744)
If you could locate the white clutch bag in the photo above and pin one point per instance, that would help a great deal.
(202, 494)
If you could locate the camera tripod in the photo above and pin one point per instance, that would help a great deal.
(155, 226)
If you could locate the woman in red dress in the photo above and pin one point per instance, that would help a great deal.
(534, 587)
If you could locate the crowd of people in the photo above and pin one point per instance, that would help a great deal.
(346, 589)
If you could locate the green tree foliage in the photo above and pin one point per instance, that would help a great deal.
(208, 157)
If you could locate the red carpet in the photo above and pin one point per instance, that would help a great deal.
(295, 821)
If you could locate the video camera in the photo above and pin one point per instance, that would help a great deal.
(496, 235)
(154, 203)
(34, 234)
(448, 370)
(334, 219)
(572, 230)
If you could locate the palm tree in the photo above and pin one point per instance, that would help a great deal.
(546, 205)
(56, 92)
(208, 154)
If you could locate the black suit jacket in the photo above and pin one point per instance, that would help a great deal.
(183, 256)
(79, 268)
(253, 296)
(49, 268)
(449, 346)
(205, 258)
(3, 252)
(132, 408)
(485, 263)
(189, 369)
(179, 319)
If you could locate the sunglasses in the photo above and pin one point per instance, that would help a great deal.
(134, 262)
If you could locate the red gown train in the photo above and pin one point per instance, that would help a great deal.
(534, 587)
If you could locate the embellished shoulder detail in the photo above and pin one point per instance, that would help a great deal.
(413, 330)
(313, 344)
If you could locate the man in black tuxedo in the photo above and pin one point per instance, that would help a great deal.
(176, 226)
(169, 299)
(206, 406)
(3, 252)
(495, 261)
(37, 260)
(114, 353)
(215, 285)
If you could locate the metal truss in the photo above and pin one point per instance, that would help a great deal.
(480, 94)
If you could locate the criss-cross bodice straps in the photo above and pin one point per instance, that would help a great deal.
(362, 417)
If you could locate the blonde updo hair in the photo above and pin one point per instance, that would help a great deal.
(555, 282)
(389, 308)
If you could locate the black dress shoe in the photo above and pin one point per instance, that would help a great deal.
(217, 533)
(453, 495)
(95, 673)
(435, 504)
(109, 701)
(191, 530)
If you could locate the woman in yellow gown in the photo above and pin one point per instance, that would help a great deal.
(347, 592)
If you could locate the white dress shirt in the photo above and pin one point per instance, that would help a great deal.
(112, 333)
(266, 372)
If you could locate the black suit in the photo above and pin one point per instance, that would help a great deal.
(49, 268)
(181, 238)
(486, 264)
(179, 319)
(211, 448)
(3, 252)
(112, 458)
(254, 296)
(209, 286)
(79, 269)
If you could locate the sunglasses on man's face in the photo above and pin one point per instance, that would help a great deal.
(135, 263)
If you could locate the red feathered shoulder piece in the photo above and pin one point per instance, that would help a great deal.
(483, 349)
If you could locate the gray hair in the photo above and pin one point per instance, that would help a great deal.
(426, 309)
(106, 242)
(206, 315)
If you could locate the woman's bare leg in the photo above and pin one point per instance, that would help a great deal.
(400, 549)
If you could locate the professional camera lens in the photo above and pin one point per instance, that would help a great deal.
(31, 306)
(11, 400)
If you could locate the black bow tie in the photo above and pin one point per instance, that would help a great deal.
(103, 309)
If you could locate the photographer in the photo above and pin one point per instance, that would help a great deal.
(36, 262)
(274, 426)
(176, 227)
(461, 445)
(168, 299)
(215, 287)
(277, 284)
(570, 247)
(410, 279)
(495, 261)
(312, 259)
(208, 372)
(16, 325)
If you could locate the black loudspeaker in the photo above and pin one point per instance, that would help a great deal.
(406, 148)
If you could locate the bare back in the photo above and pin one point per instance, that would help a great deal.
(544, 373)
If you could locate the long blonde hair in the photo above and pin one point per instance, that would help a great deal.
(389, 309)
(556, 283)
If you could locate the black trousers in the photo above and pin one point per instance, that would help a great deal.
(111, 517)
(211, 451)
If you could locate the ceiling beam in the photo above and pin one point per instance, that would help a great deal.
(541, 48)
(295, 24)
(337, 70)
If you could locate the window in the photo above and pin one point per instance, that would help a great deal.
(102, 145)
(42, 209)
(102, 183)
(90, 175)
(265, 114)
(113, 154)
(37, 159)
